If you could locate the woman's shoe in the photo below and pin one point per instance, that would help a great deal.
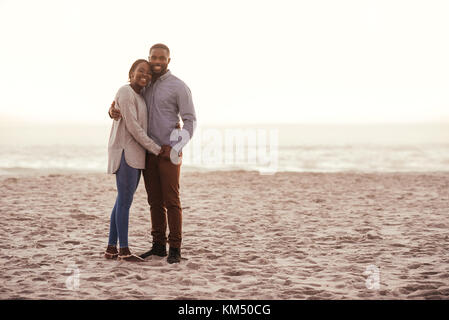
(130, 257)
(126, 255)
(111, 253)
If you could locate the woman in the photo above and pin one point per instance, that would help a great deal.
(128, 143)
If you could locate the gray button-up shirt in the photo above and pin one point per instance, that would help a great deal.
(167, 99)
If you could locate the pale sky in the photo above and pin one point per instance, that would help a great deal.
(245, 61)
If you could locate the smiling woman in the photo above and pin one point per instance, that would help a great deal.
(127, 148)
(139, 75)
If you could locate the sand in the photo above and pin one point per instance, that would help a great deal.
(246, 236)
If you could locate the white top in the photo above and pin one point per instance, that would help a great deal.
(129, 134)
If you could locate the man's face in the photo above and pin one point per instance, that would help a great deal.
(159, 60)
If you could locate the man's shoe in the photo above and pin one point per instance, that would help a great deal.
(174, 255)
(157, 250)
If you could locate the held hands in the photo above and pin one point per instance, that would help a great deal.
(165, 152)
(114, 113)
(166, 149)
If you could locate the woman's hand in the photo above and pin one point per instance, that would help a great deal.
(114, 113)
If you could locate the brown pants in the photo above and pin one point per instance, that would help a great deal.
(161, 178)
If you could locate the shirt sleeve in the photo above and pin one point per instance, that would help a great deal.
(128, 108)
(186, 110)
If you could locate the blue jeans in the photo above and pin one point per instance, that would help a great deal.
(127, 179)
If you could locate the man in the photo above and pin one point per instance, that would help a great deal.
(167, 98)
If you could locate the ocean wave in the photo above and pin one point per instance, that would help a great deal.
(318, 158)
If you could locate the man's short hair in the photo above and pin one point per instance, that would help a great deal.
(160, 46)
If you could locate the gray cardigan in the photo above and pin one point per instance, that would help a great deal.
(129, 134)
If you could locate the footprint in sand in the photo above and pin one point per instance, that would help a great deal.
(235, 273)
(93, 279)
(39, 279)
(429, 273)
(72, 242)
(194, 266)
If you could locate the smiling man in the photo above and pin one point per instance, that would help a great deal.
(167, 98)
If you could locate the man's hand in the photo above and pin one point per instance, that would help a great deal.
(114, 113)
(165, 152)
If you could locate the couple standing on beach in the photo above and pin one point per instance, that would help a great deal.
(145, 138)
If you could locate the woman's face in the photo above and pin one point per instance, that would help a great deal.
(141, 75)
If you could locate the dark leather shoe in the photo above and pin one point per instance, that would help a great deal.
(174, 255)
(158, 249)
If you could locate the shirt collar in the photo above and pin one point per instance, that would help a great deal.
(165, 75)
(161, 78)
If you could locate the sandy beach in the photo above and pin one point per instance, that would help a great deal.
(245, 236)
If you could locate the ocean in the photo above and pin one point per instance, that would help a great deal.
(266, 148)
